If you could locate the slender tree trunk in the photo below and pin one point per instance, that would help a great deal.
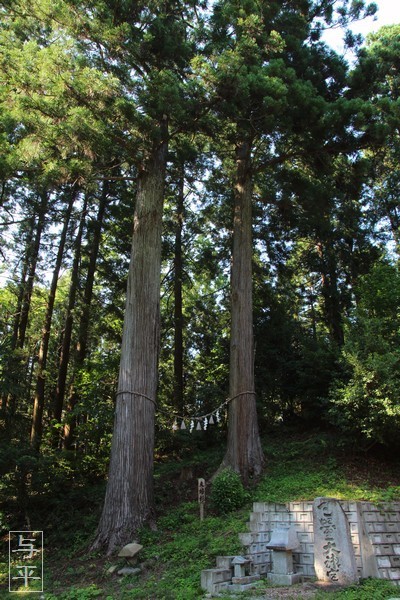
(22, 283)
(68, 325)
(129, 501)
(9, 399)
(244, 453)
(83, 332)
(34, 255)
(178, 313)
(25, 290)
(37, 418)
(330, 293)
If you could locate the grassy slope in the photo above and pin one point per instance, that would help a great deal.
(299, 466)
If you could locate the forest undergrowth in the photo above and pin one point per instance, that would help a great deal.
(299, 466)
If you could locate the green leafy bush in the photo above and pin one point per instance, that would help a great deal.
(366, 404)
(228, 492)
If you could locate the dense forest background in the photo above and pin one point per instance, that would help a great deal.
(89, 91)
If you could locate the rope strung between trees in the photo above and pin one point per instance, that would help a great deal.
(136, 394)
(207, 419)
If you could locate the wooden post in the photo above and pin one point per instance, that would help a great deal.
(202, 496)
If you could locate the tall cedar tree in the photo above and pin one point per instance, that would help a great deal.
(255, 77)
(159, 51)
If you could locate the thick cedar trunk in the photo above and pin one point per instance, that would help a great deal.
(178, 314)
(244, 453)
(129, 499)
(68, 325)
(83, 332)
(37, 418)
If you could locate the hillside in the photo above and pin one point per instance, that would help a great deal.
(299, 465)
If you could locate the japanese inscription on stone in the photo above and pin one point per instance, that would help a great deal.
(334, 554)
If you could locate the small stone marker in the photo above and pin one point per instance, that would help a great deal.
(240, 564)
(334, 558)
(130, 552)
(201, 490)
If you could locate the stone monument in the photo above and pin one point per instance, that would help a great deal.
(334, 558)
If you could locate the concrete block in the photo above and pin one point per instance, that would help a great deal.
(282, 517)
(351, 517)
(371, 517)
(210, 577)
(245, 538)
(383, 562)
(395, 561)
(394, 574)
(261, 558)
(256, 517)
(377, 538)
(280, 579)
(261, 506)
(298, 526)
(384, 549)
(224, 562)
(263, 568)
(392, 516)
(221, 587)
(384, 573)
(309, 571)
(245, 580)
(255, 527)
(368, 506)
(306, 517)
(390, 538)
(396, 549)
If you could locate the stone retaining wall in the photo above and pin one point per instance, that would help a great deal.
(374, 530)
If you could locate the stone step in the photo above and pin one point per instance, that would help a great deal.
(246, 579)
(211, 577)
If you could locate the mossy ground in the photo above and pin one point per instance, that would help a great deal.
(298, 466)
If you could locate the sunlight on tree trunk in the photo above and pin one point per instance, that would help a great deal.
(129, 502)
(244, 453)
